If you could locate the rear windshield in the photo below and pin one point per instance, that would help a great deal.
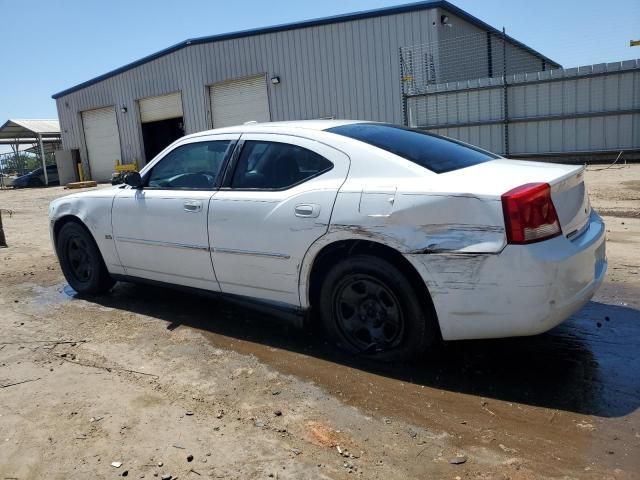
(430, 151)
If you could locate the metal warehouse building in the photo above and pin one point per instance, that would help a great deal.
(347, 66)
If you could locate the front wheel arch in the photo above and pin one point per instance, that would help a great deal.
(87, 258)
(62, 221)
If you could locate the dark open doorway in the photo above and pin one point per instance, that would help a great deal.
(157, 135)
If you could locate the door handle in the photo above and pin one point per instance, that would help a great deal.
(192, 206)
(307, 210)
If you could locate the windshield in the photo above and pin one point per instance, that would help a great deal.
(430, 151)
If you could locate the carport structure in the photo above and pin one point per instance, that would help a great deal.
(43, 136)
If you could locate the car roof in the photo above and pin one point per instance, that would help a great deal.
(277, 127)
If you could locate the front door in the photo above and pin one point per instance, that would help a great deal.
(276, 204)
(160, 230)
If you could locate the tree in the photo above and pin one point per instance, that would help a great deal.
(19, 164)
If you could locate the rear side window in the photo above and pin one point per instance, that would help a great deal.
(430, 151)
(276, 166)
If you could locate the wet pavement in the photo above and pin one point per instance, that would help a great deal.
(538, 393)
(588, 365)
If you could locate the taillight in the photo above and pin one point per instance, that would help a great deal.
(529, 214)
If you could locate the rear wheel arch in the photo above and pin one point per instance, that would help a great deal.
(340, 250)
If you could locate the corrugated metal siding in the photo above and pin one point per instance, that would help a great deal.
(594, 108)
(463, 52)
(343, 70)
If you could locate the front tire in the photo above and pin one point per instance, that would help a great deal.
(368, 306)
(81, 261)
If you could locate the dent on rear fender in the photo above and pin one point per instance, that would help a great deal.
(430, 223)
(447, 237)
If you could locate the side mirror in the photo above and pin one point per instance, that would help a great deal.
(133, 179)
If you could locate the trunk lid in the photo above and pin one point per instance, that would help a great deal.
(496, 177)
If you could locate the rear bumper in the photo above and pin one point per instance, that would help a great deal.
(524, 290)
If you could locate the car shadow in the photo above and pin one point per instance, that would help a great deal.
(588, 365)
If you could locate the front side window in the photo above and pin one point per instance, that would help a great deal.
(433, 152)
(191, 166)
(275, 166)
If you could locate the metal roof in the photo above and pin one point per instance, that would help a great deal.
(28, 129)
(379, 12)
(27, 141)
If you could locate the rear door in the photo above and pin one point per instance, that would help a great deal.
(277, 201)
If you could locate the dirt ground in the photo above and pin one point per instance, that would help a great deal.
(149, 377)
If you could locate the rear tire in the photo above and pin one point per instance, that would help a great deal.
(368, 306)
(81, 261)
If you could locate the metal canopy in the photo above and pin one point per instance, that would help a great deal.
(29, 129)
(31, 132)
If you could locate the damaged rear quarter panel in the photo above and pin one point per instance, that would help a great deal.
(454, 232)
(427, 223)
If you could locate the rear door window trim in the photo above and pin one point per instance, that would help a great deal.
(235, 160)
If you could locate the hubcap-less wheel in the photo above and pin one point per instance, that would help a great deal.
(79, 257)
(368, 313)
(81, 261)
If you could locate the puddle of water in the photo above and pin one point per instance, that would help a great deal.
(53, 295)
(70, 292)
(587, 367)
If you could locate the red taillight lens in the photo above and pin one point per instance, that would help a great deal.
(529, 214)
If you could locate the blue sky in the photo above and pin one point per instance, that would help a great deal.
(52, 45)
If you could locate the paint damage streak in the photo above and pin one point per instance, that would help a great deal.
(427, 239)
(458, 271)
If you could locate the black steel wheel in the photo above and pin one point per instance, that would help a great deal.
(81, 261)
(368, 313)
(368, 306)
(79, 258)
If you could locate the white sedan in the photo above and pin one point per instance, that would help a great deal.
(394, 238)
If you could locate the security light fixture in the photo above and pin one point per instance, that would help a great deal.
(444, 20)
(275, 80)
(123, 109)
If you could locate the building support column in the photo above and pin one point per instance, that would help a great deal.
(42, 158)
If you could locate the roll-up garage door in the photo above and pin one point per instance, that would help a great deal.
(102, 140)
(238, 101)
(153, 109)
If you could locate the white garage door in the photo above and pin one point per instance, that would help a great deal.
(238, 101)
(103, 141)
(153, 109)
